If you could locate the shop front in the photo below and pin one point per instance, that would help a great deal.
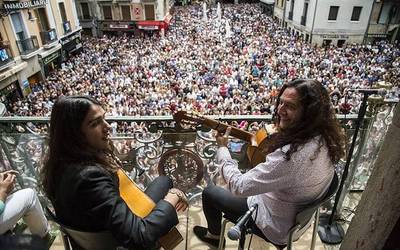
(50, 60)
(10, 93)
(155, 25)
(71, 44)
(118, 26)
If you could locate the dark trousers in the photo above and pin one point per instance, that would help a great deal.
(216, 201)
(159, 188)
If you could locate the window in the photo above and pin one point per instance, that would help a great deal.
(18, 25)
(355, 16)
(305, 12)
(85, 10)
(333, 12)
(62, 12)
(126, 12)
(340, 43)
(149, 11)
(42, 20)
(326, 42)
(107, 12)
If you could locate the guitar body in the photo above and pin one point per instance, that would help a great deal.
(141, 205)
(254, 150)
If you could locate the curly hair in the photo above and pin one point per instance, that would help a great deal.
(318, 118)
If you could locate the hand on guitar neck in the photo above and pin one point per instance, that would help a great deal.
(256, 142)
(222, 139)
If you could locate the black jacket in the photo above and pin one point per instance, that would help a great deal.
(87, 198)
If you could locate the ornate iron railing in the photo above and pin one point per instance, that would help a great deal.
(151, 146)
(48, 36)
(28, 45)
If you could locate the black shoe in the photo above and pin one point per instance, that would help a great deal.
(201, 233)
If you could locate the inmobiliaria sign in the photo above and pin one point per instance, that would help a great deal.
(10, 6)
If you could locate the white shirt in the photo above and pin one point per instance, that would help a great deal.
(281, 188)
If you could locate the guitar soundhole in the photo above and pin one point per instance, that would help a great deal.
(184, 167)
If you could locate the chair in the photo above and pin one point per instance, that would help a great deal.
(74, 239)
(302, 220)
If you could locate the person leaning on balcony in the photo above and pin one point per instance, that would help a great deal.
(23, 204)
(79, 177)
(298, 167)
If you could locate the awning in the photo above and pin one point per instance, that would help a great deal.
(155, 25)
(268, 1)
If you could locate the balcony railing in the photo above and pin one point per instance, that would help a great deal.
(85, 17)
(303, 20)
(5, 54)
(48, 36)
(28, 45)
(290, 15)
(67, 27)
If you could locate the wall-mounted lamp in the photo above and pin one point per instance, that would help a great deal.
(30, 16)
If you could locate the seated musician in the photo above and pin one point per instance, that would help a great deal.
(298, 167)
(81, 179)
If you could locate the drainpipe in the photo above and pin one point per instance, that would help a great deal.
(284, 13)
(313, 22)
(369, 22)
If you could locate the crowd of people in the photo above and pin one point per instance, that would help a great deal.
(198, 65)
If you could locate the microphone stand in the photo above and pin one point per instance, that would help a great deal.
(330, 231)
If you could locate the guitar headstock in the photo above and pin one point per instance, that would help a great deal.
(190, 118)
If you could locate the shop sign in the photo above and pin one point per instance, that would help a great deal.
(10, 6)
(377, 35)
(51, 57)
(26, 87)
(70, 38)
(150, 27)
(119, 26)
(5, 91)
(335, 36)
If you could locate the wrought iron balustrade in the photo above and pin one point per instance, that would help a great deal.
(150, 146)
(67, 27)
(5, 54)
(48, 36)
(28, 45)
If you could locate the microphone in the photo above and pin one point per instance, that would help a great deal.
(235, 231)
(380, 92)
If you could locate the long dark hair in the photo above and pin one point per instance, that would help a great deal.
(318, 118)
(67, 143)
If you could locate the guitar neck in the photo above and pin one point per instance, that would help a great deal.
(221, 127)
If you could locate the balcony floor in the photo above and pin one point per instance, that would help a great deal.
(196, 217)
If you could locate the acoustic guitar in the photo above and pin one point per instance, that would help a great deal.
(141, 205)
(256, 142)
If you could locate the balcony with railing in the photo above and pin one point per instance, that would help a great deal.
(153, 146)
(67, 27)
(5, 55)
(48, 37)
(27, 46)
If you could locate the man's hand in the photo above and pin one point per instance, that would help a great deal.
(222, 140)
(7, 180)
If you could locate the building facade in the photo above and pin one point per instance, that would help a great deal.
(36, 36)
(324, 22)
(384, 22)
(102, 16)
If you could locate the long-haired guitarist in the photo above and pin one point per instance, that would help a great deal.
(82, 178)
(297, 170)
